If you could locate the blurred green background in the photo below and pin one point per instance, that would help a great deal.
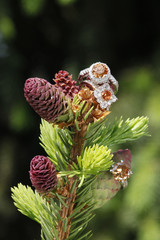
(41, 37)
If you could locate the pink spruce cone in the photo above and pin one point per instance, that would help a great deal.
(64, 81)
(123, 154)
(47, 100)
(121, 170)
(43, 174)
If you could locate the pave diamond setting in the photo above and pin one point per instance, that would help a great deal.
(99, 77)
(98, 93)
(99, 72)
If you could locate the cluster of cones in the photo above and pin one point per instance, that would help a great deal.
(55, 103)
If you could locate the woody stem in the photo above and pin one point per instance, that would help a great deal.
(70, 197)
(67, 211)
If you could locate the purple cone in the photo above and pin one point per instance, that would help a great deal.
(121, 170)
(123, 154)
(43, 174)
(48, 101)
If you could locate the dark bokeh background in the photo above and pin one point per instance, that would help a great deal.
(40, 37)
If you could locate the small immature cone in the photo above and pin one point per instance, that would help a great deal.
(47, 100)
(104, 189)
(64, 81)
(43, 174)
(123, 154)
(108, 184)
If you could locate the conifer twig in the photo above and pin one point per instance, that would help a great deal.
(80, 172)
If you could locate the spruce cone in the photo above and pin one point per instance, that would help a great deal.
(43, 174)
(121, 170)
(49, 102)
(64, 81)
(123, 154)
(103, 189)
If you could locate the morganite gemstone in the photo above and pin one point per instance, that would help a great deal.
(106, 95)
(85, 94)
(99, 70)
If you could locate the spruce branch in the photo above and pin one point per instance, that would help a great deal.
(36, 207)
(83, 212)
(117, 132)
(57, 143)
(67, 206)
(80, 173)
